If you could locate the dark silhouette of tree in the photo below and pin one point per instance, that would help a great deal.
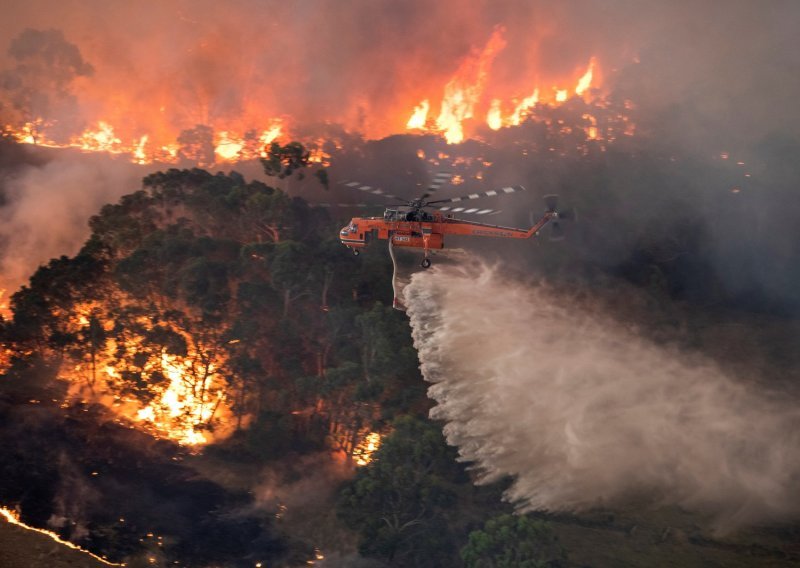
(39, 87)
(197, 145)
(283, 161)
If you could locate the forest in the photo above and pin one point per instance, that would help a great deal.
(213, 328)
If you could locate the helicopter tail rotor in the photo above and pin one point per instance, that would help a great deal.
(570, 214)
(556, 223)
(551, 203)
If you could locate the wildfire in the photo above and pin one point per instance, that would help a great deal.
(495, 116)
(165, 133)
(100, 139)
(179, 403)
(228, 146)
(13, 517)
(586, 80)
(463, 93)
(523, 108)
(185, 394)
(464, 90)
(420, 115)
(363, 452)
(5, 311)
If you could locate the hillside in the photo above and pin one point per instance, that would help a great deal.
(23, 548)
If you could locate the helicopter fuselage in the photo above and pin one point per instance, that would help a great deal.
(419, 229)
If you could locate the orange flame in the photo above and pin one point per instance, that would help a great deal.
(586, 80)
(364, 451)
(13, 518)
(524, 107)
(188, 392)
(149, 131)
(463, 91)
(228, 145)
(420, 116)
(494, 118)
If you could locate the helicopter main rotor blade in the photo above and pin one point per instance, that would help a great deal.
(344, 205)
(471, 211)
(480, 194)
(438, 181)
(370, 189)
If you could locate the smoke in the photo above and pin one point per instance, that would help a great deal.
(38, 87)
(302, 494)
(582, 411)
(46, 209)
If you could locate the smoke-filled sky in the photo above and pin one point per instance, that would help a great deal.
(584, 411)
(367, 63)
(47, 210)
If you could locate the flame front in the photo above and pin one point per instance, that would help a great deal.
(12, 517)
(464, 90)
(163, 128)
(227, 146)
(463, 94)
(179, 410)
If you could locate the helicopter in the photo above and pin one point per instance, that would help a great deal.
(410, 225)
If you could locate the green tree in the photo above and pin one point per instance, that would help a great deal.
(399, 502)
(283, 161)
(513, 541)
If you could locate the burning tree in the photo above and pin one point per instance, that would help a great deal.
(194, 310)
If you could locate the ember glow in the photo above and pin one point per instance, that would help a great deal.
(13, 517)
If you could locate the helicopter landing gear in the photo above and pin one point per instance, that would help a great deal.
(356, 252)
(426, 263)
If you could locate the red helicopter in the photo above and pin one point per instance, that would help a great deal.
(411, 226)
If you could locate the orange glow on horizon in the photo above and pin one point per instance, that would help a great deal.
(454, 105)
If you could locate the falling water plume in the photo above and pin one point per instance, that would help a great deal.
(581, 411)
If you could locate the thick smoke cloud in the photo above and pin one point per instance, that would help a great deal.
(582, 411)
(47, 207)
